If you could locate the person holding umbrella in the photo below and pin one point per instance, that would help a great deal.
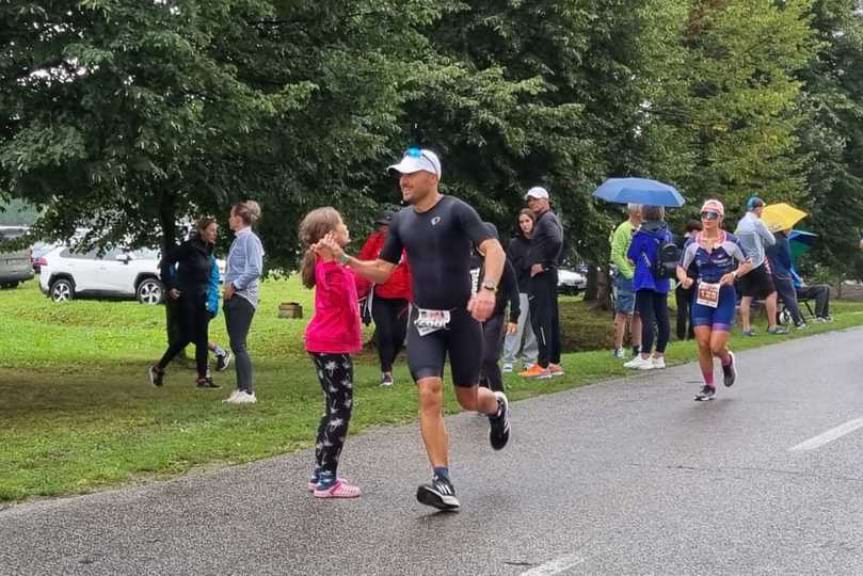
(779, 257)
(651, 287)
(719, 260)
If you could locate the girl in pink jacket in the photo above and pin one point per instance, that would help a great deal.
(331, 337)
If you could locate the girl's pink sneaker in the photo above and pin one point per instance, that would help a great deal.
(314, 485)
(340, 489)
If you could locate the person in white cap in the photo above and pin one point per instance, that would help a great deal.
(546, 248)
(437, 233)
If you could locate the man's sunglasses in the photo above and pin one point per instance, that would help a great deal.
(415, 152)
(708, 215)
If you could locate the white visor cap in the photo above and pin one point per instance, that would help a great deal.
(418, 160)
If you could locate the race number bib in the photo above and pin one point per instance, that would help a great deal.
(708, 295)
(430, 321)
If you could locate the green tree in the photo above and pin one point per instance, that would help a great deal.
(731, 114)
(833, 136)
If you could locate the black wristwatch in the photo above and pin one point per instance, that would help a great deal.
(490, 286)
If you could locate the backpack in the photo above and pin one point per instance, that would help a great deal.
(667, 258)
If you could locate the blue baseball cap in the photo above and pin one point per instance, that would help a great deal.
(753, 203)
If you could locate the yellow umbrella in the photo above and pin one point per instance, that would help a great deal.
(782, 216)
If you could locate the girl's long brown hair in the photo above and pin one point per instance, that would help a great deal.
(317, 224)
(524, 212)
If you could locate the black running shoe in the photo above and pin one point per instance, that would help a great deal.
(207, 383)
(439, 494)
(729, 373)
(500, 426)
(707, 393)
(223, 361)
(156, 376)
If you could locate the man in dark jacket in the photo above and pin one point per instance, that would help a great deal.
(546, 248)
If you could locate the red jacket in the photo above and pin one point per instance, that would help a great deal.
(335, 326)
(398, 287)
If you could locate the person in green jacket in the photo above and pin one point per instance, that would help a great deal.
(624, 270)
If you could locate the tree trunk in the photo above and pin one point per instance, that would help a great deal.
(591, 291)
(603, 289)
(598, 290)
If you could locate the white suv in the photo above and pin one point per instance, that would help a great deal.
(66, 274)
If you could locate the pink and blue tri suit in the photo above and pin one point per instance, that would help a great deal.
(712, 266)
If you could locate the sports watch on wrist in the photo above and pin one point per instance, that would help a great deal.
(490, 286)
(344, 258)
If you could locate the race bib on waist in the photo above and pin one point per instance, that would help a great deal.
(708, 294)
(430, 321)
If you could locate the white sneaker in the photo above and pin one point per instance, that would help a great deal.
(242, 397)
(659, 362)
(639, 363)
(620, 353)
(232, 396)
(507, 368)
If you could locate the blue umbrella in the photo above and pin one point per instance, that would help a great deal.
(639, 191)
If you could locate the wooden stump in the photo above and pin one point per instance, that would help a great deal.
(290, 310)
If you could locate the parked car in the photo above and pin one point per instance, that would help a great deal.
(570, 282)
(67, 273)
(15, 266)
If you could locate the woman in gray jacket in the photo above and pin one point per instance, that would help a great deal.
(242, 283)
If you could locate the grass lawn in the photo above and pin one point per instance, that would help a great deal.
(78, 414)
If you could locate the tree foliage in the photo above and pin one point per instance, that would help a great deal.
(132, 117)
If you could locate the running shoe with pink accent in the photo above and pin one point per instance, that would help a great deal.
(313, 484)
(340, 489)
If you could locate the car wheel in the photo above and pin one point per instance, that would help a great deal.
(62, 290)
(150, 291)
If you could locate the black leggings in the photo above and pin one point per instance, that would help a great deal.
(653, 309)
(785, 288)
(683, 297)
(545, 316)
(493, 333)
(194, 329)
(336, 375)
(391, 324)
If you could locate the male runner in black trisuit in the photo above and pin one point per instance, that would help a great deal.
(438, 232)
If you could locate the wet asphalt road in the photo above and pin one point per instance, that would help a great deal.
(622, 478)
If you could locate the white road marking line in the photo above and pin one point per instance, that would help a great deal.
(558, 566)
(829, 436)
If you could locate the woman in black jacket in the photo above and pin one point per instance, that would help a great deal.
(683, 296)
(496, 327)
(521, 343)
(189, 286)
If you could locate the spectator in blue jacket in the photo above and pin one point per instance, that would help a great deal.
(223, 357)
(651, 292)
(779, 256)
